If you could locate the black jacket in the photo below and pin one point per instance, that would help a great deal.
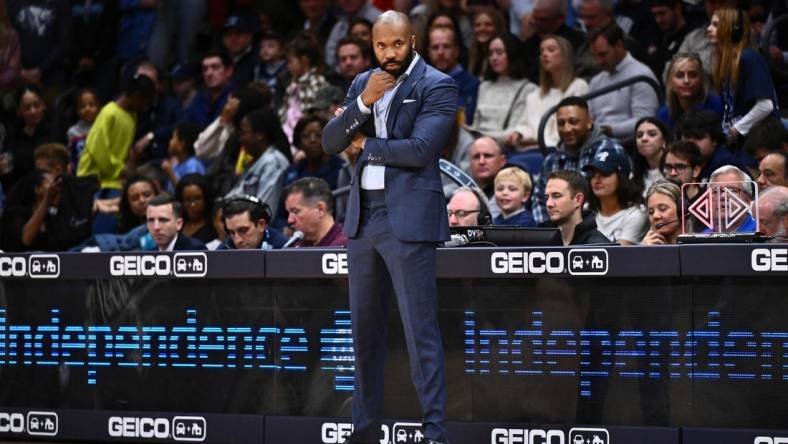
(586, 233)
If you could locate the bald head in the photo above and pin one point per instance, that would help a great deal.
(393, 42)
(394, 19)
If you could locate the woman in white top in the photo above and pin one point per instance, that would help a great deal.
(651, 138)
(615, 200)
(556, 81)
(500, 103)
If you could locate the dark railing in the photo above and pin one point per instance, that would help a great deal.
(600, 92)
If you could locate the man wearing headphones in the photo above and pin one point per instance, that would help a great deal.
(246, 220)
(465, 209)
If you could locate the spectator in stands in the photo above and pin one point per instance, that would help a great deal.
(136, 26)
(305, 67)
(110, 137)
(773, 171)
(354, 56)
(88, 106)
(615, 200)
(664, 216)
(361, 29)
(703, 128)
(740, 74)
(773, 213)
(10, 57)
(179, 18)
(767, 137)
(465, 209)
(53, 158)
(31, 130)
(669, 18)
(183, 87)
(136, 194)
(217, 72)
(319, 18)
(443, 50)
(93, 40)
(310, 208)
(512, 194)
(651, 138)
(580, 141)
(682, 163)
(196, 196)
(598, 14)
(312, 161)
(43, 28)
(686, 89)
(164, 217)
(271, 66)
(548, 18)
(556, 81)
(246, 220)
(181, 154)
(27, 217)
(501, 101)
(238, 42)
(697, 42)
(349, 11)
(487, 23)
(487, 158)
(218, 225)
(619, 109)
(421, 14)
(729, 178)
(565, 194)
(159, 119)
(262, 138)
(212, 140)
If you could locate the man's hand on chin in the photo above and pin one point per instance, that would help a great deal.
(358, 141)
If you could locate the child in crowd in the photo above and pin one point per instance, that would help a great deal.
(272, 64)
(88, 106)
(181, 152)
(512, 191)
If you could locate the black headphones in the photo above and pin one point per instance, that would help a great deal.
(738, 27)
(484, 217)
(246, 198)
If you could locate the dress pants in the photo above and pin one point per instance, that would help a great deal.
(378, 262)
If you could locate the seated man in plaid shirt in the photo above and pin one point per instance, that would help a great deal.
(580, 141)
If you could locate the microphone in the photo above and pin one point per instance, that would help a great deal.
(665, 224)
(457, 240)
(297, 236)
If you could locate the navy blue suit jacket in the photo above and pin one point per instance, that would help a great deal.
(186, 243)
(421, 115)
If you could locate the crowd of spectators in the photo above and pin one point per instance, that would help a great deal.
(170, 124)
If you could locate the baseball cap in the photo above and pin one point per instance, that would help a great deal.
(182, 71)
(239, 22)
(610, 161)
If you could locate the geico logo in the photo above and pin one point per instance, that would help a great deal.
(12, 422)
(334, 263)
(770, 259)
(13, 266)
(525, 436)
(335, 433)
(535, 262)
(131, 427)
(139, 265)
(770, 440)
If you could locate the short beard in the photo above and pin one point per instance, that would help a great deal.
(404, 66)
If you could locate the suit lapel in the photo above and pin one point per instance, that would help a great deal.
(404, 91)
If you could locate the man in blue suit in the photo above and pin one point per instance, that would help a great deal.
(400, 117)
